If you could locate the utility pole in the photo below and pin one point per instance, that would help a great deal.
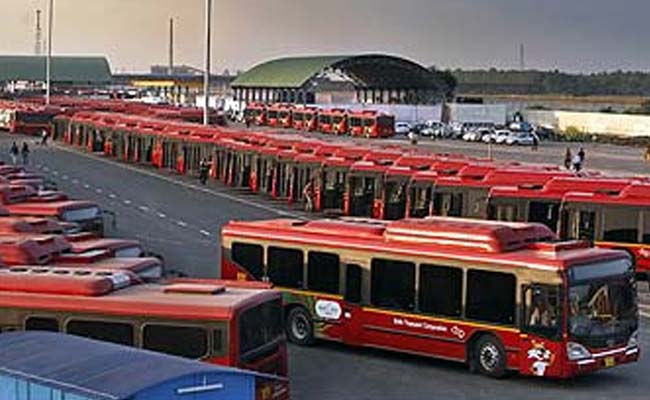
(48, 61)
(171, 46)
(206, 72)
(522, 57)
(38, 42)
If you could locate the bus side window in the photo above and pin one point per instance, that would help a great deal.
(114, 332)
(323, 272)
(491, 297)
(392, 284)
(286, 267)
(353, 283)
(183, 341)
(250, 257)
(542, 310)
(441, 290)
(41, 324)
(621, 225)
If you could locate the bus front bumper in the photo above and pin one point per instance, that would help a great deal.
(599, 361)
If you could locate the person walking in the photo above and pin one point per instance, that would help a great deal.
(14, 153)
(568, 159)
(535, 142)
(308, 195)
(25, 153)
(44, 136)
(582, 155)
(413, 137)
(204, 169)
(646, 154)
(577, 163)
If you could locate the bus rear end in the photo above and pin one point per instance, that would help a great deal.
(260, 344)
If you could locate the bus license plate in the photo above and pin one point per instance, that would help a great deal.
(610, 362)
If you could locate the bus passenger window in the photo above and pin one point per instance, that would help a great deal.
(440, 290)
(323, 272)
(183, 341)
(392, 284)
(41, 324)
(490, 297)
(621, 225)
(286, 267)
(250, 257)
(114, 332)
(353, 283)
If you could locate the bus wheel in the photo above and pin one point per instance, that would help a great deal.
(490, 356)
(300, 329)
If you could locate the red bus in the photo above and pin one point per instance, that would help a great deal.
(305, 119)
(237, 324)
(256, 113)
(612, 213)
(497, 296)
(273, 115)
(333, 121)
(371, 124)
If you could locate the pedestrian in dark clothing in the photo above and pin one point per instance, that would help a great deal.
(535, 142)
(204, 169)
(577, 163)
(248, 122)
(581, 154)
(25, 153)
(44, 136)
(568, 158)
(14, 153)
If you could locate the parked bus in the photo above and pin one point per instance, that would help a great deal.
(237, 324)
(256, 113)
(305, 119)
(497, 296)
(611, 213)
(333, 121)
(371, 124)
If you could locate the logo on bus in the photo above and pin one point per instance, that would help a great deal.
(454, 330)
(328, 309)
(542, 358)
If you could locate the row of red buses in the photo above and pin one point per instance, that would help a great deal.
(345, 178)
(497, 296)
(26, 118)
(229, 323)
(335, 121)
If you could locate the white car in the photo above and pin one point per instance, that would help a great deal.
(402, 128)
(500, 136)
(520, 139)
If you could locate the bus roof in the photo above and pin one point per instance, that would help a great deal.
(521, 245)
(121, 292)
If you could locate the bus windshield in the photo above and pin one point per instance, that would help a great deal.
(602, 299)
(258, 327)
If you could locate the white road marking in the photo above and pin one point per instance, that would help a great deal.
(183, 184)
(162, 215)
(86, 186)
(112, 196)
(98, 190)
(46, 169)
(204, 232)
(127, 202)
(144, 208)
(55, 172)
(181, 223)
(75, 181)
(644, 314)
(64, 177)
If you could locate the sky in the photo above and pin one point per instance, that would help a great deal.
(570, 35)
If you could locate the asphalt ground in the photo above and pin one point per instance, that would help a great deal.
(179, 219)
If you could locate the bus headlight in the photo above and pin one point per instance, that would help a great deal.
(576, 351)
(633, 341)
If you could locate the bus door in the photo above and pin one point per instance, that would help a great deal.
(352, 313)
(395, 199)
(579, 224)
(541, 330)
(544, 212)
(362, 195)
(448, 204)
(420, 198)
(333, 189)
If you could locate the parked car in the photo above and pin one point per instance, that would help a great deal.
(520, 139)
(418, 128)
(498, 136)
(477, 135)
(402, 128)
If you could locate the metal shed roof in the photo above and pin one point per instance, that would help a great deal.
(64, 69)
(368, 70)
(98, 370)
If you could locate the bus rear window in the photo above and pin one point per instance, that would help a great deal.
(259, 326)
(184, 341)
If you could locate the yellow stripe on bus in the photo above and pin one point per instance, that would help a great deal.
(310, 293)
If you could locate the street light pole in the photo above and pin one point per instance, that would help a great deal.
(48, 60)
(206, 73)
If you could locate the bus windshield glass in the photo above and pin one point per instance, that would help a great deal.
(258, 327)
(602, 301)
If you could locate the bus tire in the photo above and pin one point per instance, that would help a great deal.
(489, 356)
(300, 327)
